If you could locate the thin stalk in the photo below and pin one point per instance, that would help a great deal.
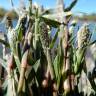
(66, 66)
(65, 47)
(67, 82)
(21, 79)
(11, 82)
(36, 31)
(50, 68)
(10, 64)
(22, 71)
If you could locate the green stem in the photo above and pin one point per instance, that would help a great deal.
(50, 66)
(22, 71)
(36, 31)
(21, 80)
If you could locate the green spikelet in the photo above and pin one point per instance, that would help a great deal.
(83, 36)
(44, 35)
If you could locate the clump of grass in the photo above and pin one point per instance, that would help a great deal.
(37, 66)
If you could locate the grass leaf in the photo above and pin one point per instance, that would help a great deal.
(36, 65)
(71, 5)
(51, 22)
(55, 65)
(54, 40)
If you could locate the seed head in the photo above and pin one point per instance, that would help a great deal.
(44, 35)
(83, 36)
(12, 38)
